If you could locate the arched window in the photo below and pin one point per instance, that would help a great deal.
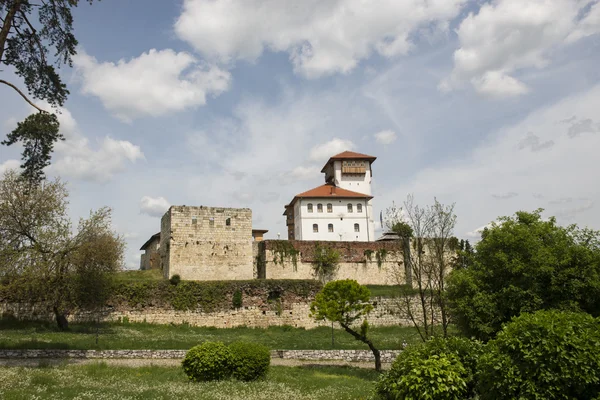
(349, 208)
(359, 208)
(309, 206)
(320, 207)
(356, 228)
(315, 228)
(330, 227)
(329, 208)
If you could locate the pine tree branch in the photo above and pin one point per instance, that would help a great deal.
(23, 95)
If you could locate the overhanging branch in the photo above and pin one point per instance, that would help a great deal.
(23, 95)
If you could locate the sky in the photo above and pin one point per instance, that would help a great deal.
(493, 106)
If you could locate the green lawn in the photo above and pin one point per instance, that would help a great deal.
(99, 381)
(38, 335)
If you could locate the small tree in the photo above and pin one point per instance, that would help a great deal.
(42, 260)
(326, 262)
(345, 302)
(428, 258)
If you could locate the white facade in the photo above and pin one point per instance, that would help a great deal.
(360, 183)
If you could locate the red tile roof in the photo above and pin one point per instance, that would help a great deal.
(328, 190)
(349, 155)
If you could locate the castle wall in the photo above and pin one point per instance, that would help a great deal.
(150, 259)
(369, 263)
(197, 243)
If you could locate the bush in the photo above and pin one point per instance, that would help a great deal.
(209, 361)
(250, 360)
(237, 299)
(175, 279)
(446, 352)
(544, 355)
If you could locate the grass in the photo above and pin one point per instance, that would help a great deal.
(140, 276)
(391, 290)
(99, 381)
(112, 336)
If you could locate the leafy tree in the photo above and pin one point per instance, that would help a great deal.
(523, 264)
(41, 260)
(29, 31)
(428, 258)
(545, 355)
(345, 302)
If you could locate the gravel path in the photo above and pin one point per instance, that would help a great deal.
(143, 362)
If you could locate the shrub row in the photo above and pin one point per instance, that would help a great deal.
(212, 361)
(544, 355)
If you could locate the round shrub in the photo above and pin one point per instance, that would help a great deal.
(544, 355)
(250, 360)
(208, 362)
(461, 353)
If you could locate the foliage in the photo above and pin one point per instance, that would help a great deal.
(465, 351)
(402, 229)
(523, 264)
(38, 133)
(42, 260)
(426, 263)
(346, 302)
(368, 254)
(24, 48)
(391, 291)
(282, 250)
(380, 255)
(250, 360)
(544, 355)
(175, 279)
(237, 299)
(210, 361)
(326, 262)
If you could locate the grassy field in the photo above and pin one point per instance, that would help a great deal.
(40, 335)
(99, 381)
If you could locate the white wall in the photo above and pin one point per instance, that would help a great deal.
(343, 221)
(353, 182)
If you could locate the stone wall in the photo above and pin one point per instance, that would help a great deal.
(276, 313)
(207, 243)
(387, 356)
(370, 263)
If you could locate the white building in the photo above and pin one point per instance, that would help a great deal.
(339, 210)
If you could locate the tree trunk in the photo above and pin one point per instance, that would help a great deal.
(8, 20)
(61, 320)
(407, 264)
(358, 336)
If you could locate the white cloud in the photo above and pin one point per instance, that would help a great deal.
(323, 151)
(154, 206)
(386, 137)
(509, 35)
(156, 83)
(76, 158)
(8, 165)
(302, 173)
(321, 37)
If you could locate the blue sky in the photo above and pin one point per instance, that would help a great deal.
(492, 105)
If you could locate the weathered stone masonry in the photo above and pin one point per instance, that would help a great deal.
(207, 243)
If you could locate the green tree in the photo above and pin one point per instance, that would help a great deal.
(42, 260)
(29, 31)
(326, 262)
(345, 302)
(524, 264)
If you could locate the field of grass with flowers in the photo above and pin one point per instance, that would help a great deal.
(99, 381)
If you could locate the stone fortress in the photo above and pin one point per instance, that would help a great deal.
(214, 243)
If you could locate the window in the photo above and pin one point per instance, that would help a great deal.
(356, 228)
(315, 228)
(330, 227)
(211, 222)
(359, 208)
(349, 208)
(309, 206)
(320, 207)
(228, 222)
(329, 208)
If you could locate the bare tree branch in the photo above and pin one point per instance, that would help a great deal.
(23, 95)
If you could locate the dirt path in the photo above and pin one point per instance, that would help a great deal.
(143, 362)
